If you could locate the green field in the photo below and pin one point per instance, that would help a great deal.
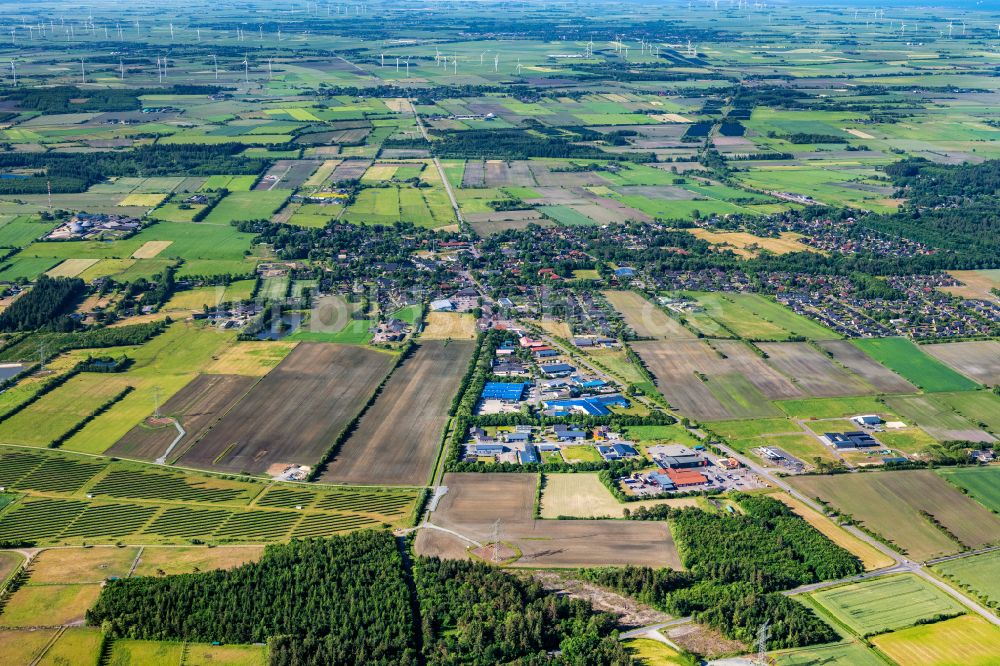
(907, 360)
(838, 654)
(755, 317)
(255, 205)
(886, 604)
(977, 574)
(753, 427)
(981, 408)
(981, 483)
(831, 408)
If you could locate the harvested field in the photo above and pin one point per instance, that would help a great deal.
(71, 267)
(646, 319)
(871, 557)
(976, 284)
(475, 501)
(198, 406)
(811, 371)
(150, 249)
(582, 495)
(747, 245)
(978, 360)
(82, 565)
(397, 440)
(189, 559)
(882, 378)
(295, 412)
(449, 326)
(890, 503)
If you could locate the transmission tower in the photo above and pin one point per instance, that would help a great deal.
(762, 635)
(496, 542)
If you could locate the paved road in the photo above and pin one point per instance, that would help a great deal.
(902, 564)
(636, 633)
(437, 163)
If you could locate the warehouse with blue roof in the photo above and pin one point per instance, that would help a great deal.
(507, 392)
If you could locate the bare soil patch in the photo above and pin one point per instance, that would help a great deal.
(978, 360)
(295, 412)
(882, 378)
(397, 440)
(811, 371)
(475, 501)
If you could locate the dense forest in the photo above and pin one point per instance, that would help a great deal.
(353, 600)
(44, 306)
(952, 207)
(737, 566)
(474, 613)
(339, 601)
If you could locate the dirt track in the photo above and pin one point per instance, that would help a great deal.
(197, 406)
(475, 501)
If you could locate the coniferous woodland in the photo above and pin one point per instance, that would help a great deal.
(43, 306)
(348, 600)
(354, 599)
(737, 567)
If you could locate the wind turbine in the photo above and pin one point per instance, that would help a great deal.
(496, 58)
(215, 60)
(268, 69)
(13, 71)
(83, 72)
(407, 66)
(171, 32)
(246, 70)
